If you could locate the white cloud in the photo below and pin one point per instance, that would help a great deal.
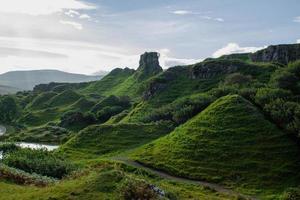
(41, 7)
(298, 41)
(181, 12)
(72, 23)
(219, 19)
(167, 60)
(84, 16)
(297, 19)
(187, 12)
(231, 48)
(72, 13)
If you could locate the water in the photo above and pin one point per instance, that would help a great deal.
(28, 145)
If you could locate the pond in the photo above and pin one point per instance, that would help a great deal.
(28, 145)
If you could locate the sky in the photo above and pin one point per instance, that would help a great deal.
(87, 36)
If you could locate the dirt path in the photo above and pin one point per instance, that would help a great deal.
(212, 186)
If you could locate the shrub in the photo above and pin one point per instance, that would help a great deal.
(266, 95)
(40, 162)
(8, 147)
(139, 189)
(237, 79)
(291, 194)
(77, 118)
(107, 112)
(8, 109)
(287, 78)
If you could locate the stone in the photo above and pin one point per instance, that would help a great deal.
(149, 65)
(282, 54)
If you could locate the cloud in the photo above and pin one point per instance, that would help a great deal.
(84, 16)
(42, 7)
(231, 48)
(200, 14)
(72, 23)
(297, 19)
(298, 41)
(7, 51)
(182, 12)
(72, 13)
(166, 60)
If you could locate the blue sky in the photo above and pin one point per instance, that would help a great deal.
(93, 35)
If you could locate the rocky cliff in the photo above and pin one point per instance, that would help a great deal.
(282, 54)
(149, 65)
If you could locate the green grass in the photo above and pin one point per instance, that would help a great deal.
(230, 142)
(99, 140)
(104, 180)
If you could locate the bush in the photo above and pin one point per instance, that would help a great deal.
(180, 110)
(107, 112)
(288, 78)
(8, 109)
(266, 95)
(139, 189)
(237, 79)
(40, 162)
(77, 119)
(291, 194)
(8, 147)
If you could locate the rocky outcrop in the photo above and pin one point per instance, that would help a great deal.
(212, 68)
(282, 54)
(149, 65)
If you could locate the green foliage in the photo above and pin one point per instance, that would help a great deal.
(38, 161)
(137, 189)
(291, 194)
(288, 78)
(24, 178)
(238, 79)
(107, 112)
(77, 120)
(65, 98)
(8, 109)
(229, 142)
(266, 95)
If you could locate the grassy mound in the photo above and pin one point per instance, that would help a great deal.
(229, 142)
(65, 98)
(103, 139)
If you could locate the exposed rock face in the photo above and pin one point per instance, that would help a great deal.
(210, 69)
(149, 65)
(278, 53)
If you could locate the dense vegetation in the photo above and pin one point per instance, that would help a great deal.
(229, 121)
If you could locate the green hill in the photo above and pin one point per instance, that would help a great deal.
(229, 142)
(103, 139)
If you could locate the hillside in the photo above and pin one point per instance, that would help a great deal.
(223, 128)
(229, 142)
(26, 80)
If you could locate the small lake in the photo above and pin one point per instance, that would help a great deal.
(29, 145)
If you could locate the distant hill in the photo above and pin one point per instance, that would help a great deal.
(7, 89)
(26, 80)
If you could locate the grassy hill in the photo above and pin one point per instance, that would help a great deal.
(99, 140)
(229, 142)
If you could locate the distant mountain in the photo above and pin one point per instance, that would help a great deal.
(100, 73)
(7, 89)
(26, 80)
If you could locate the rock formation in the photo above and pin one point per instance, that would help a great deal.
(149, 65)
(282, 54)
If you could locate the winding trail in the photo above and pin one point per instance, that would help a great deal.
(162, 174)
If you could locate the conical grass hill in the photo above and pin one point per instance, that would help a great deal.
(231, 143)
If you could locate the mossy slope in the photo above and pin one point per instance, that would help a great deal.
(229, 142)
(103, 139)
